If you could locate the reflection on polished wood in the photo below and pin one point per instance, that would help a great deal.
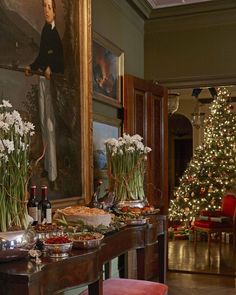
(84, 267)
(198, 273)
(182, 257)
(200, 284)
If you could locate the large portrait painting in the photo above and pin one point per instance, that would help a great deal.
(38, 76)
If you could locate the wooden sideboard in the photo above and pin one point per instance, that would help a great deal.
(84, 267)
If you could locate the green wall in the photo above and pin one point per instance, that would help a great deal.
(118, 22)
(192, 43)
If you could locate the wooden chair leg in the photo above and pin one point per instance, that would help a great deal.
(220, 236)
(195, 240)
(234, 241)
(209, 241)
(107, 270)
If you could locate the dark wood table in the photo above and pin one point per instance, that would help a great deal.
(84, 267)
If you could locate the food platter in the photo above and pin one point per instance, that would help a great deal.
(86, 215)
(87, 240)
(153, 212)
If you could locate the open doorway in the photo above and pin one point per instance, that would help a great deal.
(180, 148)
(181, 253)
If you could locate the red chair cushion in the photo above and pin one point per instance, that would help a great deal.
(212, 224)
(217, 213)
(131, 287)
(229, 205)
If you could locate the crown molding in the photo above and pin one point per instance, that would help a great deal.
(143, 8)
(198, 81)
(193, 9)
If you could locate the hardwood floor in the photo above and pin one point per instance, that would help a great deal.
(200, 284)
(201, 273)
(182, 257)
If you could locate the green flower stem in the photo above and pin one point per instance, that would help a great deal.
(13, 182)
(126, 175)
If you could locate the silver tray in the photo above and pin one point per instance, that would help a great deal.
(131, 204)
(136, 221)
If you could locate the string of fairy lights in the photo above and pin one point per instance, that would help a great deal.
(212, 170)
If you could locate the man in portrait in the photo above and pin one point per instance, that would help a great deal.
(50, 60)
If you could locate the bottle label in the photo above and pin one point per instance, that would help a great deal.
(49, 215)
(33, 212)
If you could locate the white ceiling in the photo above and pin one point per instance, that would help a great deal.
(155, 4)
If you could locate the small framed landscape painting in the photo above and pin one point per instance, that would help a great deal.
(108, 70)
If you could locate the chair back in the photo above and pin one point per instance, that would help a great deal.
(229, 205)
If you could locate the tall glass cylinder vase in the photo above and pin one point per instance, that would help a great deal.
(126, 161)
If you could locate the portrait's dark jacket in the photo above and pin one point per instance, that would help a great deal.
(50, 51)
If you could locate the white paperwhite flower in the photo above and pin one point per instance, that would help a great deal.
(127, 143)
(147, 150)
(111, 142)
(127, 138)
(9, 145)
(14, 152)
(114, 152)
(9, 119)
(137, 137)
(5, 104)
(4, 126)
(126, 163)
(19, 129)
(139, 146)
(131, 149)
(28, 127)
(17, 117)
(120, 144)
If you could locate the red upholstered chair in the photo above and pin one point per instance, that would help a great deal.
(223, 221)
(131, 287)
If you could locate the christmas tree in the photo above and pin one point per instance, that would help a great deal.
(212, 170)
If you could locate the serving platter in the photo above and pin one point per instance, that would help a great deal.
(87, 240)
(138, 221)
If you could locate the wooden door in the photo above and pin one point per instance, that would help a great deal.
(146, 113)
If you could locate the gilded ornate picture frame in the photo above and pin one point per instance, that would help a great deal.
(21, 30)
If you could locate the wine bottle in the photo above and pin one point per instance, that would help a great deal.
(32, 204)
(45, 208)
